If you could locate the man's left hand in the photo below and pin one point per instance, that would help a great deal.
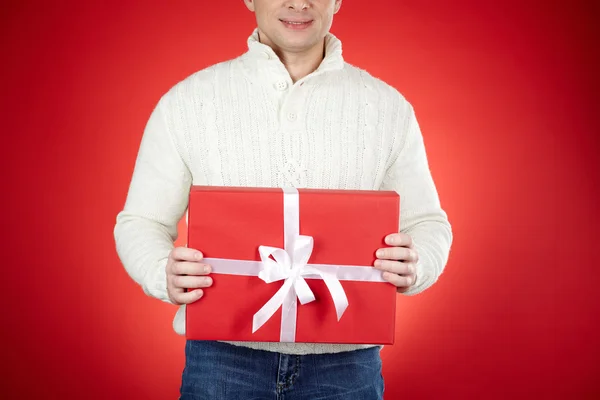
(398, 261)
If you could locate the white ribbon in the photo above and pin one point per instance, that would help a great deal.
(291, 265)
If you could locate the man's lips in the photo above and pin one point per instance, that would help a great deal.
(296, 23)
(295, 20)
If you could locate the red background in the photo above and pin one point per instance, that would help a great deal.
(506, 94)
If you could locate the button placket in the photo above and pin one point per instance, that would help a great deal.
(293, 171)
(291, 109)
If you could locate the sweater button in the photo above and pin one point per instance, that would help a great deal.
(282, 85)
(292, 116)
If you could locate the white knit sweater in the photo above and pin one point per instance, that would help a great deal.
(244, 122)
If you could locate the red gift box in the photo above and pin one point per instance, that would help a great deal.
(232, 226)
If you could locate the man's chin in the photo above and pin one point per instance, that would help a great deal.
(298, 46)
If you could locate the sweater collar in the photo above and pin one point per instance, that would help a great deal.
(262, 54)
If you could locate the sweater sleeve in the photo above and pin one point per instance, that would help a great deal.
(421, 214)
(146, 228)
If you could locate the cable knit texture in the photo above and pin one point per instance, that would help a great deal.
(243, 122)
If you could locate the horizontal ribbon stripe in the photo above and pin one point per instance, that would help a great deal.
(359, 273)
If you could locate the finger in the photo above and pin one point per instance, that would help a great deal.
(187, 297)
(399, 239)
(186, 254)
(395, 267)
(190, 268)
(398, 280)
(398, 254)
(192, 282)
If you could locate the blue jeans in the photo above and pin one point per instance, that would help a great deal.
(221, 371)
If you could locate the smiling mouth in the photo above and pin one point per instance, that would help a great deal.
(296, 24)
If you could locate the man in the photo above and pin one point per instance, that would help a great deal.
(288, 112)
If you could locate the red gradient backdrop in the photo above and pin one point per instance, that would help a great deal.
(506, 94)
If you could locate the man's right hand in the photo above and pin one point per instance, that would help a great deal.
(185, 270)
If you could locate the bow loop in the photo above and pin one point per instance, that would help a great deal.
(303, 247)
(275, 268)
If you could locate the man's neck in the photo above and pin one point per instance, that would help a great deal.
(302, 64)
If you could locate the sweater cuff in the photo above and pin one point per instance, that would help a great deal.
(155, 284)
(425, 272)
